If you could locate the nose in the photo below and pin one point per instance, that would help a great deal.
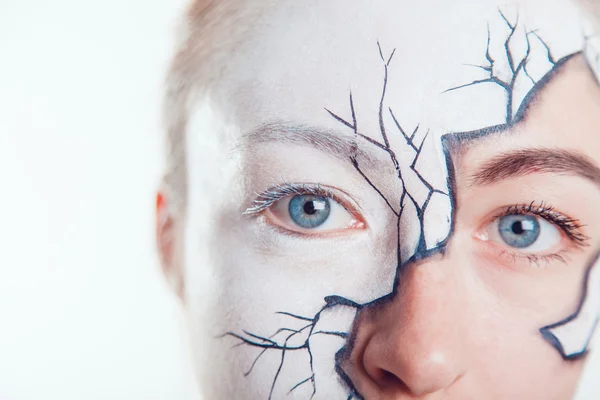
(412, 344)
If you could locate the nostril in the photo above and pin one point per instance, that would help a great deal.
(418, 370)
(388, 380)
(389, 376)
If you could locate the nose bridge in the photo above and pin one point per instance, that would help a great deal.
(429, 299)
(428, 288)
(418, 336)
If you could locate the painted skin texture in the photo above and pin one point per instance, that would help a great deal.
(410, 294)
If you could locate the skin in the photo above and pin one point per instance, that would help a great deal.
(498, 295)
(460, 322)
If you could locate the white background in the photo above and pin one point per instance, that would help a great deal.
(84, 311)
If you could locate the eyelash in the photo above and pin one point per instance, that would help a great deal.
(267, 198)
(536, 258)
(569, 226)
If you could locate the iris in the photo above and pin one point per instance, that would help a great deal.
(309, 211)
(519, 231)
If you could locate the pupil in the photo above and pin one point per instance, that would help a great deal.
(517, 228)
(309, 207)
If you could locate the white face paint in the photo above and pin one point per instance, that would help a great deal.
(572, 335)
(354, 105)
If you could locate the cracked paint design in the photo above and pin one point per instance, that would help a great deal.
(520, 64)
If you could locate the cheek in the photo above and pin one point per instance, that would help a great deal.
(272, 296)
(266, 274)
(213, 181)
(507, 352)
(531, 295)
(519, 364)
(505, 321)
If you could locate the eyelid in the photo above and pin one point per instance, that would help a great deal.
(267, 198)
(304, 233)
(570, 227)
(264, 203)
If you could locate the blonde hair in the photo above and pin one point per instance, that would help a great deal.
(593, 7)
(210, 31)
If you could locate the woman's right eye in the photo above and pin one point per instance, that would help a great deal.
(310, 213)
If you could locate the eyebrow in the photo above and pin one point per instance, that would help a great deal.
(340, 145)
(535, 161)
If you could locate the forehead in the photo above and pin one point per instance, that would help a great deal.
(300, 59)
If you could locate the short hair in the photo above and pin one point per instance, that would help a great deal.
(210, 31)
(593, 7)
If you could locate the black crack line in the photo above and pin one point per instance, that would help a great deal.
(492, 79)
(293, 315)
(338, 334)
(267, 343)
(527, 74)
(372, 141)
(279, 367)
(354, 123)
(381, 123)
(311, 362)
(354, 160)
(405, 192)
(488, 55)
(422, 245)
(357, 167)
(410, 140)
(488, 68)
(297, 385)
(522, 64)
(515, 68)
(263, 351)
(340, 119)
(355, 130)
(512, 28)
(260, 338)
(551, 58)
(264, 345)
(418, 151)
(382, 129)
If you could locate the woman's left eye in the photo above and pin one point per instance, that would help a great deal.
(305, 213)
(525, 233)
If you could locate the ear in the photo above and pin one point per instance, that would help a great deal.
(167, 242)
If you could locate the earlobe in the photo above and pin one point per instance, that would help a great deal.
(166, 245)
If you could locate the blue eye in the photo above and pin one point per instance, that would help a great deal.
(519, 231)
(309, 211)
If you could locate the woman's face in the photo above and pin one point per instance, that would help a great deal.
(396, 200)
